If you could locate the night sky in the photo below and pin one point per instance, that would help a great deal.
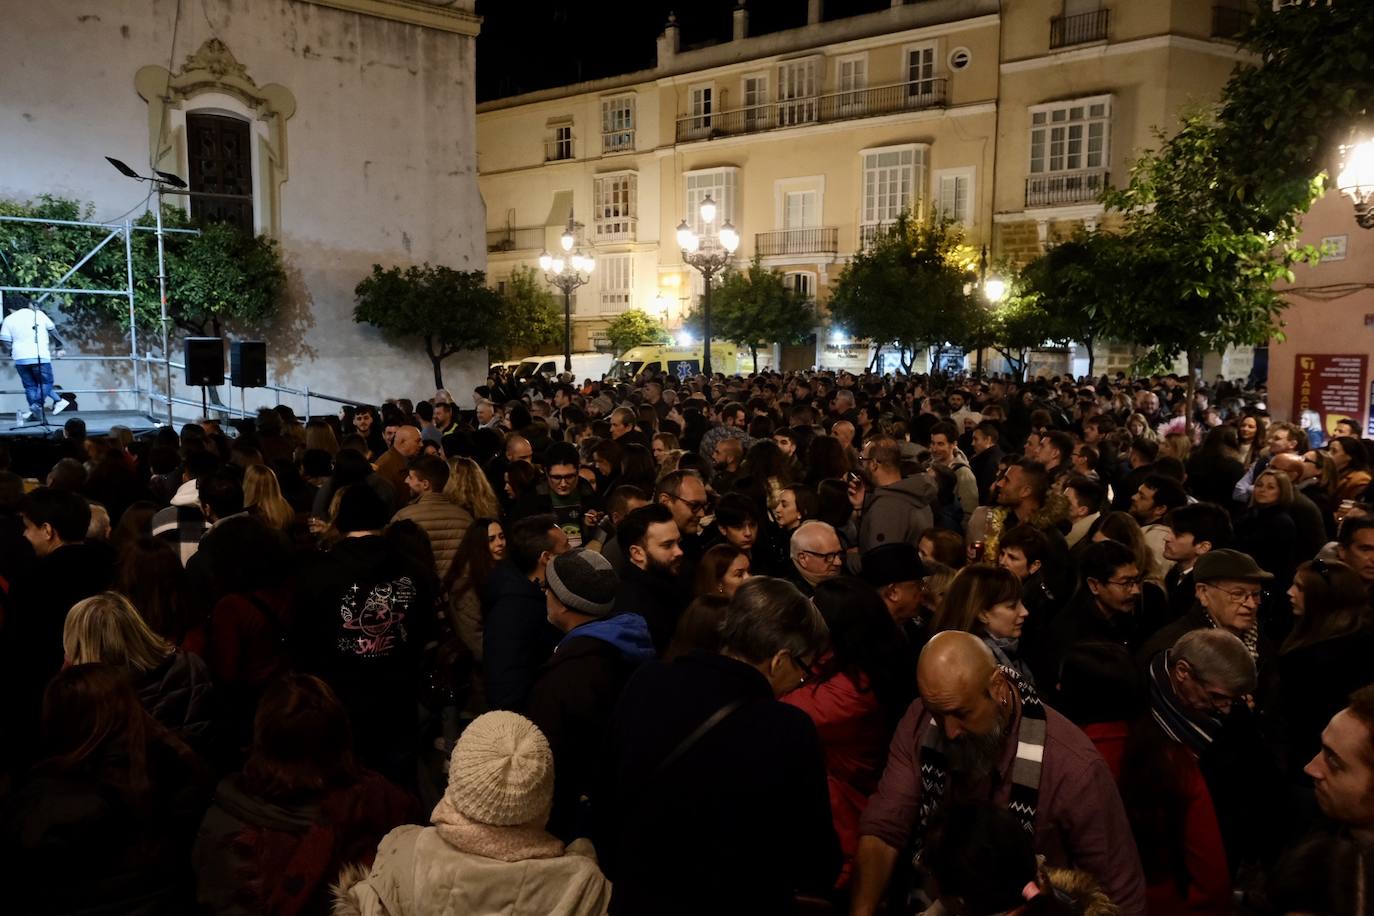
(534, 44)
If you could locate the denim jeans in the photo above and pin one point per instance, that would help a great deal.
(37, 379)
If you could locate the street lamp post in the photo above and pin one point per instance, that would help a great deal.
(993, 289)
(709, 256)
(1356, 180)
(567, 271)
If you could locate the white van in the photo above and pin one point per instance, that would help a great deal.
(679, 362)
(584, 365)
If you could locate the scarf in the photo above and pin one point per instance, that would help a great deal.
(1025, 770)
(505, 844)
(1250, 637)
(1166, 712)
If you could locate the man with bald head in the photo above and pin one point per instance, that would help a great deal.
(816, 555)
(1306, 516)
(518, 448)
(394, 464)
(979, 732)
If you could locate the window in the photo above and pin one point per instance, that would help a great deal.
(722, 187)
(221, 170)
(701, 107)
(892, 177)
(799, 210)
(797, 91)
(617, 281)
(756, 101)
(618, 124)
(560, 146)
(954, 194)
(614, 205)
(920, 71)
(802, 282)
(1068, 136)
(851, 78)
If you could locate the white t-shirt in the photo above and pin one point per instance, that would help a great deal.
(17, 332)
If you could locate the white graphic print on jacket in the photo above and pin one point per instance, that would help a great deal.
(375, 623)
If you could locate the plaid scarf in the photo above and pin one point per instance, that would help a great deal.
(1025, 770)
(1250, 637)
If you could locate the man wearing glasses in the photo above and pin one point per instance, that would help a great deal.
(684, 493)
(562, 493)
(816, 556)
(1228, 593)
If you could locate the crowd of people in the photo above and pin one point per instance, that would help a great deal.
(787, 643)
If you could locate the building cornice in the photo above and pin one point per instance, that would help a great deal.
(1135, 46)
(442, 18)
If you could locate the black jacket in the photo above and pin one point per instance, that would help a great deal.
(572, 702)
(1314, 683)
(177, 694)
(1081, 621)
(658, 599)
(984, 466)
(517, 637)
(735, 825)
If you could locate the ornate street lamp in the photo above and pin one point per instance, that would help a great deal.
(1356, 180)
(709, 256)
(567, 271)
(994, 290)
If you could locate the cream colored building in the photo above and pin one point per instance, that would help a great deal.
(1009, 116)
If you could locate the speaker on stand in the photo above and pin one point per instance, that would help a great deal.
(247, 367)
(204, 366)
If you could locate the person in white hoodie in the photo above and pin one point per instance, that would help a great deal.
(26, 331)
(487, 853)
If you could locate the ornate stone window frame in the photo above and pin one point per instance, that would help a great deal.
(213, 80)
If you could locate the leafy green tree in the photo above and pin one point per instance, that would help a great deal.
(908, 289)
(635, 328)
(1197, 266)
(531, 318)
(1072, 284)
(1284, 117)
(222, 278)
(754, 308)
(448, 310)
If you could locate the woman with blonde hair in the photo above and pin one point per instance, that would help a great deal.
(263, 500)
(1139, 427)
(468, 487)
(986, 601)
(320, 435)
(173, 685)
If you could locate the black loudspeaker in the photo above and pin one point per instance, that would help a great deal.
(205, 361)
(248, 364)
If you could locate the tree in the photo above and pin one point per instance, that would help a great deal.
(1196, 267)
(221, 278)
(449, 310)
(1072, 285)
(908, 288)
(635, 328)
(754, 308)
(530, 316)
(1284, 117)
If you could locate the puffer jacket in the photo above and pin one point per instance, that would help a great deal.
(444, 521)
(897, 512)
(178, 694)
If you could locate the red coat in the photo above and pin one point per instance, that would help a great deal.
(1209, 879)
(854, 737)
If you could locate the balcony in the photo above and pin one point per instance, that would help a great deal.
(619, 141)
(820, 240)
(619, 229)
(516, 238)
(1080, 29)
(1229, 22)
(557, 150)
(818, 109)
(1055, 189)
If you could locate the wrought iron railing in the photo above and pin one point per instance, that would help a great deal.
(818, 240)
(617, 141)
(1079, 29)
(1056, 188)
(516, 238)
(818, 109)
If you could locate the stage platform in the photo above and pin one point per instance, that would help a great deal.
(34, 449)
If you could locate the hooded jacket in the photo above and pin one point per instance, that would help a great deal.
(897, 512)
(572, 702)
(965, 484)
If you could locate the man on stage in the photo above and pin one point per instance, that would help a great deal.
(26, 331)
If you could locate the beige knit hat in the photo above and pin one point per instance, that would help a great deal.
(501, 772)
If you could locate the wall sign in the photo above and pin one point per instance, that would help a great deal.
(1332, 385)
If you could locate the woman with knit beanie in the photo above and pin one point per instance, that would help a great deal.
(487, 851)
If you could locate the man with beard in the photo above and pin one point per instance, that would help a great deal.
(650, 584)
(978, 732)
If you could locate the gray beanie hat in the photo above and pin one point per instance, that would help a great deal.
(584, 581)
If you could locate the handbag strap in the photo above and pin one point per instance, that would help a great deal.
(717, 717)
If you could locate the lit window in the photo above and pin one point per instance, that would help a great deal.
(892, 182)
(618, 124)
(614, 198)
(721, 185)
(617, 281)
